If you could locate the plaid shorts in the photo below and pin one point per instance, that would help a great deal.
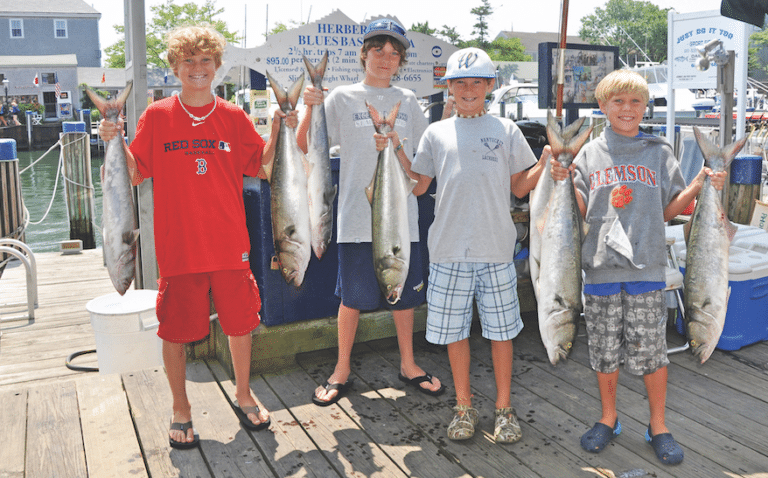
(627, 327)
(450, 291)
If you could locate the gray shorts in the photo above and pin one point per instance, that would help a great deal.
(632, 328)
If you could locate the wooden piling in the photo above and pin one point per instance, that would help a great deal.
(11, 206)
(75, 146)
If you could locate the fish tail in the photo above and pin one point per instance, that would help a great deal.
(295, 91)
(103, 105)
(280, 94)
(375, 116)
(317, 72)
(392, 116)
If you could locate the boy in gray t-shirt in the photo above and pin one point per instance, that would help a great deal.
(350, 126)
(477, 160)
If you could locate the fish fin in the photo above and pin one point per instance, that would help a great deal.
(330, 196)
(708, 148)
(541, 222)
(308, 167)
(369, 192)
(392, 116)
(130, 237)
(121, 99)
(575, 145)
(410, 184)
(375, 116)
(573, 128)
(730, 228)
(317, 72)
(101, 173)
(731, 150)
(687, 230)
(295, 91)
(280, 94)
(553, 135)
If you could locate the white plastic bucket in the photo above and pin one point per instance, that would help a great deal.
(126, 331)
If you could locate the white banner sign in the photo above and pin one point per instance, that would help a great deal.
(690, 30)
(282, 53)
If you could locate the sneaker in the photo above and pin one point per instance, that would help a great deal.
(506, 429)
(462, 427)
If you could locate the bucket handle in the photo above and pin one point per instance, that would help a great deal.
(149, 323)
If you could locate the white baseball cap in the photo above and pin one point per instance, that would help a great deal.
(470, 63)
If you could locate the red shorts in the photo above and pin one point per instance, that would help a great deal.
(183, 305)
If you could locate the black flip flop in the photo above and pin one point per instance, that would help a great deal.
(242, 415)
(417, 381)
(183, 445)
(341, 389)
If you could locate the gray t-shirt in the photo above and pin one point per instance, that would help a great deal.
(350, 126)
(472, 161)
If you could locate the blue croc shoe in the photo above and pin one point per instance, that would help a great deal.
(666, 448)
(599, 436)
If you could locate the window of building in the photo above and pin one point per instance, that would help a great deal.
(17, 28)
(48, 78)
(60, 28)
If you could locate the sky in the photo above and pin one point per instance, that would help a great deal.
(507, 14)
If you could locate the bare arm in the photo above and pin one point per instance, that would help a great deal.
(682, 200)
(559, 173)
(523, 182)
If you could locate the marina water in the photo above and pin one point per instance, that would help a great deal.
(37, 187)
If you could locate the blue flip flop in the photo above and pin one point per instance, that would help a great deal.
(666, 448)
(599, 436)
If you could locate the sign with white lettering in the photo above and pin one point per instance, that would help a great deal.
(691, 30)
(281, 56)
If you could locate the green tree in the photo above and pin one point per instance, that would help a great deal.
(450, 34)
(507, 49)
(629, 24)
(424, 28)
(757, 42)
(481, 27)
(281, 27)
(166, 17)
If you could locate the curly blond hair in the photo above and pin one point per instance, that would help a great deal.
(184, 42)
(621, 81)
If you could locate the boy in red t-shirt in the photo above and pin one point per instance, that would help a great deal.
(197, 148)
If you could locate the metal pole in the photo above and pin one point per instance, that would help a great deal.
(561, 63)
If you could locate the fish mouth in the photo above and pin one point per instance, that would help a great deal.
(394, 296)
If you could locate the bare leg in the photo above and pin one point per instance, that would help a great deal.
(175, 360)
(458, 355)
(404, 325)
(607, 383)
(347, 321)
(240, 347)
(501, 352)
(656, 385)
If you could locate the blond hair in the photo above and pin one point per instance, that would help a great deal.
(622, 81)
(187, 41)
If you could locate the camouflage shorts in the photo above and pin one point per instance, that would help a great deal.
(628, 328)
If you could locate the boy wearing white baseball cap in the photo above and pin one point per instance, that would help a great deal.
(477, 160)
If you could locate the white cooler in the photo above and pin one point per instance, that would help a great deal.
(126, 331)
